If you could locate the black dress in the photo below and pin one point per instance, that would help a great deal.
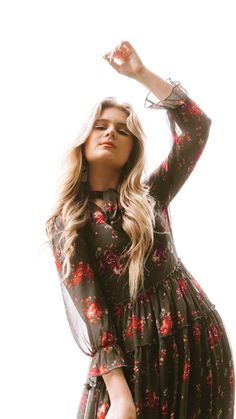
(171, 342)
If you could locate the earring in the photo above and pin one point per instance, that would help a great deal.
(84, 176)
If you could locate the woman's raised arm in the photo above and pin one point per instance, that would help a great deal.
(183, 113)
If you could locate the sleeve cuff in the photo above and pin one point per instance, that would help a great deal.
(106, 359)
(176, 97)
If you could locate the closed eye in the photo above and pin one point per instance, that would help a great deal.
(100, 127)
(123, 132)
(119, 130)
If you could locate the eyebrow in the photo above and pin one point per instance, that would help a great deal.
(107, 120)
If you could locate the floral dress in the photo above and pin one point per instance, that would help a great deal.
(170, 342)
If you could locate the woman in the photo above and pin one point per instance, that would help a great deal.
(158, 346)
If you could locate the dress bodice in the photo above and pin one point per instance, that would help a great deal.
(111, 207)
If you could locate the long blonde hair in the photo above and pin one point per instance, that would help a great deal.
(138, 217)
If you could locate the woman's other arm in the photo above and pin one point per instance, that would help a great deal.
(120, 394)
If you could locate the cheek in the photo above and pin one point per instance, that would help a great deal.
(91, 147)
(88, 146)
(129, 146)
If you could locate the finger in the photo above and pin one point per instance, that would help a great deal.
(109, 56)
(120, 48)
(110, 59)
(127, 45)
(114, 65)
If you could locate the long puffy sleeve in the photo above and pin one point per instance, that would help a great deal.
(85, 306)
(189, 127)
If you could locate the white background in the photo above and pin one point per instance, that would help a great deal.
(52, 73)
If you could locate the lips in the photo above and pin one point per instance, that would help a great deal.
(109, 143)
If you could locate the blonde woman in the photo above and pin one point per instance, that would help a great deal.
(157, 344)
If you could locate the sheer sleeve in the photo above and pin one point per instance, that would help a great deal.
(87, 313)
(189, 127)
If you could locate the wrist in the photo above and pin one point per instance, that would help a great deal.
(120, 393)
(141, 74)
(117, 385)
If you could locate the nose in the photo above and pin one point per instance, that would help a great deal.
(110, 132)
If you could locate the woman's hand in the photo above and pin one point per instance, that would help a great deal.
(129, 63)
(122, 409)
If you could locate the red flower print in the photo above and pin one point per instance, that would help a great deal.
(162, 357)
(181, 101)
(213, 336)
(210, 339)
(143, 297)
(119, 309)
(57, 258)
(164, 408)
(216, 334)
(209, 379)
(95, 370)
(165, 165)
(81, 271)
(167, 324)
(102, 411)
(99, 217)
(185, 138)
(159, 254)
(232, 377)
(118, 269)
(111, 207)
(136, 324)
(181, 317)
(175, 351)
(58, 265)
(186, 370)
(151, 399)
(193, 108)
(107, 339)
(197, 332)
(179, 293)
(198, 287)
(110, 261)
(175, 137)
(180, 139)
(156, 366)
(181, 163)
(183, 285)
(93, 312)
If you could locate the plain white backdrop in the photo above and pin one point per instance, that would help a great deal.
(52, 73)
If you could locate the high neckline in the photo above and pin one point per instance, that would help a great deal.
(102, 194)
(111, 198)
(103, 190)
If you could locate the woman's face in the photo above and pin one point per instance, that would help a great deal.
(110, 127)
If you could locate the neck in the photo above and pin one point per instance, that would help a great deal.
(100, 179)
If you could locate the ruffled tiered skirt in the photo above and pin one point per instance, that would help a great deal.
(179, 358)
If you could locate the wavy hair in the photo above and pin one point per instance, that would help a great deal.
(138, 218)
